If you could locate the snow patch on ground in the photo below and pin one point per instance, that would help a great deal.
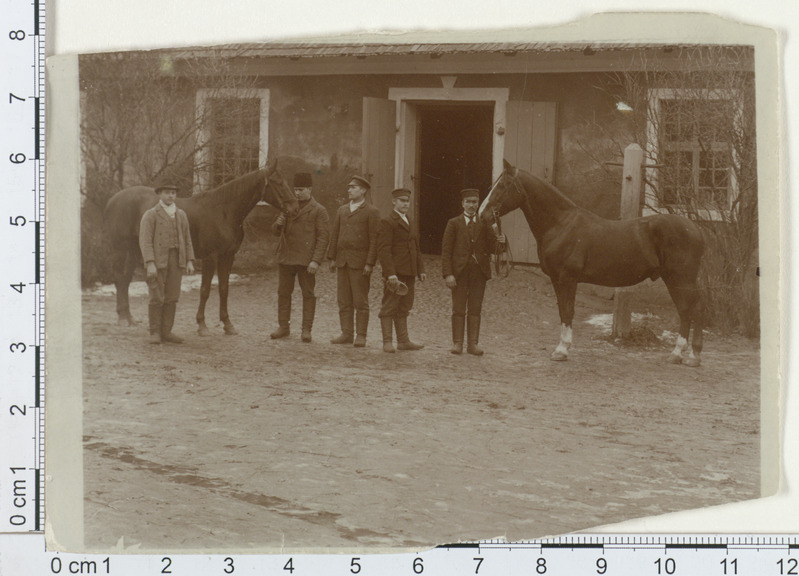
(139, 288)
(605, 323)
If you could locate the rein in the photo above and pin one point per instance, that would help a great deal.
(503, 257)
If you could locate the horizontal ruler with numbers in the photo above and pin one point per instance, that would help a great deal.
(617, 555)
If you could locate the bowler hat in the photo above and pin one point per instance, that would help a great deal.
(470, 193)
(303, 180)
(158, 189)
(360, 181)
(400, 192)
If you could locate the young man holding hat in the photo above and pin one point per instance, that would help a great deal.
(167, 250)
(302, 247)
(466, 265)
(401, 260)
(353, 253)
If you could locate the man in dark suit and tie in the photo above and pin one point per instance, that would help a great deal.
(401, 261)
(353, 253)
(466, 265)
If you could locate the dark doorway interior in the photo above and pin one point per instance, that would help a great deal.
(455, 152)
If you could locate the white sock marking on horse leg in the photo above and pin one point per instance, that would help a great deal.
(565, 340)
(679, 347)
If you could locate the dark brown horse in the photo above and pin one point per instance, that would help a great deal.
(215, 219)
(575, 245)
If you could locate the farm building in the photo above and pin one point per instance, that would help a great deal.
(434, 118)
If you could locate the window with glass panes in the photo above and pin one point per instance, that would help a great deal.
(234, 137)
(696, 160)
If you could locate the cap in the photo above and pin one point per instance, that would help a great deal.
(158, 189)
(360, 181)
(303, 180)
(470, 193)
(400, 192)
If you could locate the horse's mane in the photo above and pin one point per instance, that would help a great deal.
(553, 194)
(228, 191)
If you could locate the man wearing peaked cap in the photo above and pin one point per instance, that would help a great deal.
(466, 265)
(401, 261)
(352, 254)
(301, 249)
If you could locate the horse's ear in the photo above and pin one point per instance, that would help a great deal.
(271, 165)
(507, 165)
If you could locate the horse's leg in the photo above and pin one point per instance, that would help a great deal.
(685, 298)
(223, 273)
(565, 292)
(697, 341)
(125, 260)
(209, 267)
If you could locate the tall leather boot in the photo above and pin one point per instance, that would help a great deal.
(347, 329)
(387, 324)
(473, 335)
(458, 327)
(167, 321)
(154, 313)
(308, 312)
(403, 340)
(361, 326)
(283, 319)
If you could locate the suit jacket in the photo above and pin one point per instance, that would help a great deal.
(457, 247)
(353, 240)
(398, 248)
(154, 234)
(305, 235)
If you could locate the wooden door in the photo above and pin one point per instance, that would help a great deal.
(530, 140)
(378, 149)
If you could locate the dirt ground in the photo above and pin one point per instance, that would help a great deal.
(242, 442)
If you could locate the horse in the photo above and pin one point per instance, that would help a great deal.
(575, 245)
(216, 224)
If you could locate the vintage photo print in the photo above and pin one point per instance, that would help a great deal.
(386, 292)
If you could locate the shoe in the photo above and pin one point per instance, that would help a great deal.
(342, 339)
(403, 341)
(155, 338)
(473, 335)
(457, 348)
(306, 335)
(360, 341)
(281, 332)
(387, 325)
(171, 338)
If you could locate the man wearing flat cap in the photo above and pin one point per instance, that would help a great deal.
(401, 261)
(301, 249)
(352, 254)
(165, 243)
(466, 265)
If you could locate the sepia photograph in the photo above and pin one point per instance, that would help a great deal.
(384, 293)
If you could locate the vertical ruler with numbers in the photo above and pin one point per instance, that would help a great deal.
(22, 217)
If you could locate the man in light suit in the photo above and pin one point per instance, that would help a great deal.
(353, 253)
(401, 261)
(166, 248)
(466, 265)
(302, 247)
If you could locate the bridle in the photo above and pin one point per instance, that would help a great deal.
(503, 257)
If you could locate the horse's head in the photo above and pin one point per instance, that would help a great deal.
(505, 195)
(277, 192)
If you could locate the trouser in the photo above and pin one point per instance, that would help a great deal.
(164, 293)
(353, 299)
(285, 288)
(469, 291)
(394, 305)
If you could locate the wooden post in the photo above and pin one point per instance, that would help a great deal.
(630, 208)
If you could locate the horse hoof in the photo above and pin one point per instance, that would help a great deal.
(202, 331)
(558, 356)
(674, 359)
(231, 331)
(126, 322)
(692, 362)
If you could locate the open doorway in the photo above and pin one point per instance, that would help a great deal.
(454, 151)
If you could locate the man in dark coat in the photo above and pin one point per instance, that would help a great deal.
(353, 253)
(466, 265)
(401, 261)
(301, 248)
(166, 248)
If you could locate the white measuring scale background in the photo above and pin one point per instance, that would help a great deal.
(22, 543)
